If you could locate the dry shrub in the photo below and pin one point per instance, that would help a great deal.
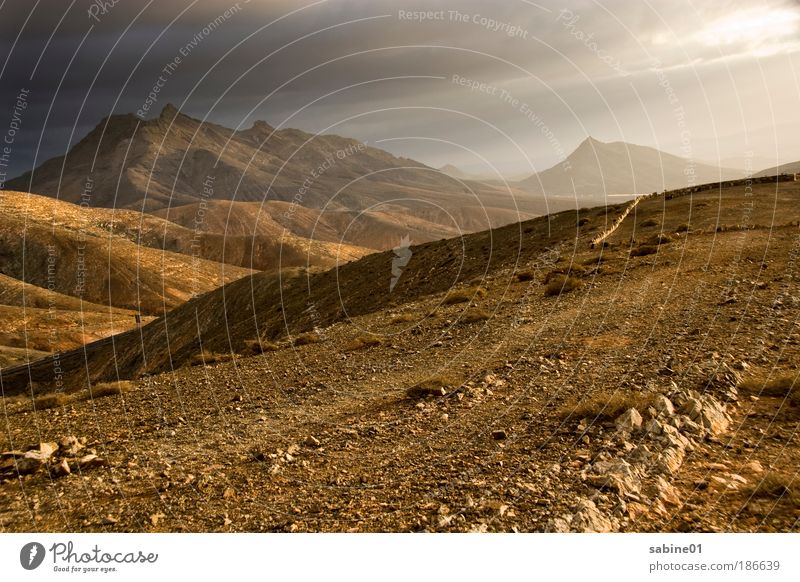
(205, 358)
(644, 250)
(304, 339)
(776, 486)
(363, 341)
(53, 400)
(464, 295)
(785, 386)
(402, 318)
(607, 406)
(572, 270)
(524, 276)
(260, 346)
(658, 239)
(433, 386)
(474, 315)
(110, 389)
(561, 284)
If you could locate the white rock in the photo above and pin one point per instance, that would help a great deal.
(629, 421)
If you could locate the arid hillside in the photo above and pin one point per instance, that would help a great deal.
(513, 380)
(175, 160)
(59, 246)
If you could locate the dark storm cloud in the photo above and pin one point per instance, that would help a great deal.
(382, 70)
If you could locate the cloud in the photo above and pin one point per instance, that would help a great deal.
(358, 68)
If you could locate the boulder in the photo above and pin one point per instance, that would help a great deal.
(629, 421)
(589, 519)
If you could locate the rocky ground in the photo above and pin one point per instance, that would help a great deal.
(633, 402)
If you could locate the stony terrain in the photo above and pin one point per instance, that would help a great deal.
(513, 380)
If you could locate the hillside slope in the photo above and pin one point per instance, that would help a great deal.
(597, 169)
(93, 255)
(684, 315)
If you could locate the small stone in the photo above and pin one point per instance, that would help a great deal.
(90, 461)
(499, 435)
(664, 405)
(47, 450)
(753, 467)
(62, 469)
(109, 520)
(31, 462)
(629, 421)
(312, 441)
(589, 519)
(155, 518)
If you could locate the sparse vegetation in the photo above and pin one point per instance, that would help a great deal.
(205, 358)
(606, 406)
(682, 228)
(52, 400)
(573, 270)
(402, 318)
(524, 276)
(658, 239)
(561, 284)
(649, 222)
(474, 315)
(464, 295)
(363, 341)
(784, 386)
(775, 485)
(109, 389)
(433, 386)
(260, 346)
(307, 338)
(644, 250)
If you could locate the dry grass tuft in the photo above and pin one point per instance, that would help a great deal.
(363, 341)
(260, 346)
(433, 386)
(561, 284)
(785, 386)
(304, 339)
(658, 239)
(110, 389)
(464, 295)
(606, 406)
(402, 318)
(205, 358)
(524, 276)
(572, 270)
(776, 486)
(644, 250)
(53, 400)
(474, 315)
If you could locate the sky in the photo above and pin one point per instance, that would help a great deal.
(496, 88)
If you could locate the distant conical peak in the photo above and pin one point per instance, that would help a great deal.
(169, 111)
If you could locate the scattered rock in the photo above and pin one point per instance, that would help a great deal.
(589, 519)
(663, 405)
(629, 421)
(499, 435)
